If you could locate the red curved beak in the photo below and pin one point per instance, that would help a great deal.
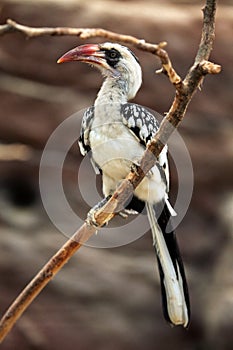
(85, 53)
(89, 53)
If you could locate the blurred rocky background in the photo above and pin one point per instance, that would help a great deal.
(110, 298)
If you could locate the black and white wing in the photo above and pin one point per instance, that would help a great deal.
(143, 126)
(140, 121)
(83, 140)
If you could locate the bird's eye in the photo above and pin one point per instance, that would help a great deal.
(112, 54)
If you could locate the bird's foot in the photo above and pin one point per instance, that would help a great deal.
(134, 168)
(123, 214)
(135, 165)
(127, 212)
(149, 174)
(91, 221)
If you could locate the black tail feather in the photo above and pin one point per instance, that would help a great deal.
(164, 222)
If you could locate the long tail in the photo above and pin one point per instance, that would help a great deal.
(175, 298)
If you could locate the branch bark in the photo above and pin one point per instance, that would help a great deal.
(87, 33)
(184, 92)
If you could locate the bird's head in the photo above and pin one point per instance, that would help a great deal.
(113, 60)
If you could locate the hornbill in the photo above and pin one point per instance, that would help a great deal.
(116, 133)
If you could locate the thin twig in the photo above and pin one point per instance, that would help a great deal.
(176, 113)
(87, 33)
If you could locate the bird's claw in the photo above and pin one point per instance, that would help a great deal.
(134, 167)
(149, 174)
(90, 220)
(123, 214)
(127, 212)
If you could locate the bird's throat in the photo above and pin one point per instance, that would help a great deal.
(113, 91)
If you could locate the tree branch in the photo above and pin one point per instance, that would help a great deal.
(87, 33)
(184, 92)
